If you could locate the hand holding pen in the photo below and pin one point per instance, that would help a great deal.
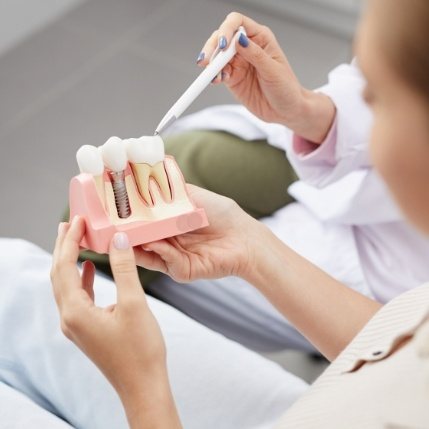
(247, 58)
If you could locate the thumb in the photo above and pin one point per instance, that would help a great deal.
(255, 55)
(124, 269)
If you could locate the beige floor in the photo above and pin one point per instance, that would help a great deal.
(107, 68)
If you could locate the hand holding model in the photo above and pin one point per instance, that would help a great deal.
(224, 248)
(260, 77)
(123, 340)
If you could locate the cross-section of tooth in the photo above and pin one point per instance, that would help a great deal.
(142, 175)
(90, 161)
(146, 156)
(159, 174)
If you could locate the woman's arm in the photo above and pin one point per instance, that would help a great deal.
(325, 311)
(150, 404)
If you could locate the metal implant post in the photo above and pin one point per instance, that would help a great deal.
(122, 201)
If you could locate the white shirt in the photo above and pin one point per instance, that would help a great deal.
(345, 220)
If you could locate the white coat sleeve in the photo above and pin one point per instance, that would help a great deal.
(346, 147)
(338, 182)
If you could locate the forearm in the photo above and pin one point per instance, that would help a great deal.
(314, 117)
(150, 404)
(325, 311)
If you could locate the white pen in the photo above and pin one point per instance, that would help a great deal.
(200, 83)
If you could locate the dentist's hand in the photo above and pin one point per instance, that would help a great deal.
(123, 340)
(260, 77)
(222, 249)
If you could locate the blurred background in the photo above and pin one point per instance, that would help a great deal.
(76, 72)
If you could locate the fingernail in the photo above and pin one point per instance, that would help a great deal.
(223, 75)
(75, 221)
(120, 241)
(222, 42)
(200, 57)
(61, 228)
(243, 40)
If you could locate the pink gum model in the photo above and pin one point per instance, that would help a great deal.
(146, 223)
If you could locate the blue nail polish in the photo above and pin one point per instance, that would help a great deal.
(222, 42)
(200, 57)
(243, 40)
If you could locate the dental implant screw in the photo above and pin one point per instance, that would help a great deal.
(122, 201)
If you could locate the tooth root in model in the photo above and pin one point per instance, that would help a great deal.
(142, 175)
(115, 159)
(90, 161)
(146, 155)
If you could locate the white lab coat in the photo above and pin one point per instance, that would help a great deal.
(346, 220)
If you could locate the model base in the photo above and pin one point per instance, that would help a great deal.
(147, 223)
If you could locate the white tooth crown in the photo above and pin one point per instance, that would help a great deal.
(90, 160)
(134, 150)
(114, 154)
(146, 149)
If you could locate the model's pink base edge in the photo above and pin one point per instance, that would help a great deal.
(85, 202)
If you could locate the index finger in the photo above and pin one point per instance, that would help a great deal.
(62, 229)
(227, 29)
(70, 246)
(234, 20)
(65, 275)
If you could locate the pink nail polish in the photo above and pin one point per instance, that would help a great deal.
(120, 241)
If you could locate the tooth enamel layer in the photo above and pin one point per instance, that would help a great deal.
(114, 154)
(90, 161)
(146, 149)
(143, 174)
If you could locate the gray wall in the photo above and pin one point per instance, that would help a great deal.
(109, 67)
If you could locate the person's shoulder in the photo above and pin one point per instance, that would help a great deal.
(400, 317)
(372, 366)
(415, 299)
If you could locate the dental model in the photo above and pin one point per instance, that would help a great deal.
(90, 161)
(115, 159)
(131, 186)
(146, 156)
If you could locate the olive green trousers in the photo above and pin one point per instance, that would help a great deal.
(253, 173)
